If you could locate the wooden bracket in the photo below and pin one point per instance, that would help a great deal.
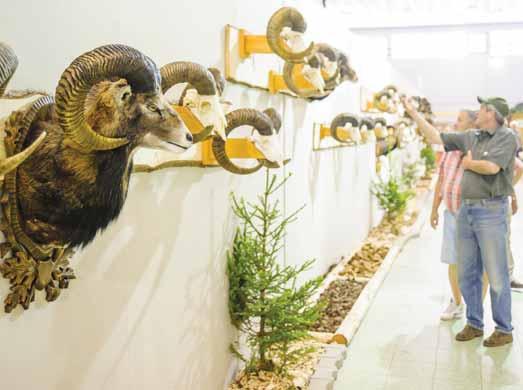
(240, 148)
(277, 82)
(252, 44)
(191, 121)
(197, 129)
(325, 131)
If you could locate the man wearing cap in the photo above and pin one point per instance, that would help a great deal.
(482, 219)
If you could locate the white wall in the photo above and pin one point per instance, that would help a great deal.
(149, 307)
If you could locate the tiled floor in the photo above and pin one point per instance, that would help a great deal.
(402, 344)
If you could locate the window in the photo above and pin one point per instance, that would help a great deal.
(505, 43)
(429, 45)
(477, 43)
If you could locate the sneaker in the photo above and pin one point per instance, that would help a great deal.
(452, 311)
(469, 333)
(497, 339)
(516, 284)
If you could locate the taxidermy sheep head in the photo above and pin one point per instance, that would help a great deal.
(109, 102)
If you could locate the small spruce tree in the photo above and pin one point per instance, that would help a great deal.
(393, 196)
(428, 156)
(265, 301)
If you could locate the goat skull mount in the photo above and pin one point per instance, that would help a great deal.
(266, 123)
(285, 35)
(347, 121)
(75, 184)
(201, 95)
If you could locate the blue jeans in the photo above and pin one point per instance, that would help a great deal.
(482, 244)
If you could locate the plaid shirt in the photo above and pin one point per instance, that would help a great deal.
(450, 173)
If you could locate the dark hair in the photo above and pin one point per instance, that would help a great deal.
(471, 113)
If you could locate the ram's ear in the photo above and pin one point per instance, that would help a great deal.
(122, 90)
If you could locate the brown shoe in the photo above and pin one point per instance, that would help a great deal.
(497, 339)
(469, 333)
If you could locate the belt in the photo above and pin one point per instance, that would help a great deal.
(484, 201)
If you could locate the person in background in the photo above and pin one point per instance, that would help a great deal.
(515, 111)
(482, 225)
(448, 190)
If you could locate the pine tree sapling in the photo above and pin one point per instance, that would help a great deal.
(392, 196)
(265, 301)
(427, 154)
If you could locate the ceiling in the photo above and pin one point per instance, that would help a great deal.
(363, 14)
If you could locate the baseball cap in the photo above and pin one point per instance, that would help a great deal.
(498, 103)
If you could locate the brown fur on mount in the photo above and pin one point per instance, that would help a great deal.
(67, 194)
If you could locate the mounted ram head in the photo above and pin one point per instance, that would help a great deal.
(285, 35)
(266, 126)
(326, 68)
(367, 130)
(108, 103)
(349, 122)
(76, 183)
(202, 95)
(347, 73)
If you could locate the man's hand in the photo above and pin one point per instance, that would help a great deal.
(434, 219)
(514, 204)
(467, 160)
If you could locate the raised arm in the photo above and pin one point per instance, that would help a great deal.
(429, 131)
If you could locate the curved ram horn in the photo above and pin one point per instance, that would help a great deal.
(8, 65)
(276, 125)
(188, 72)
(286, 17)
(275, 118)
(33, 112)
(332, 82)
(331, 54)
(401, 122)
(340, 121)
(314, 61)
(237, 118)
(346, 71)
(13, 162)
(288, 71)
(367, 122)
(218, 79)
(102, 63)
(351, 74)
(380, 120)
(326, 50)
(389, 87)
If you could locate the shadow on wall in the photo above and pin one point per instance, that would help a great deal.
(200, 332)
(299, 109)
(338, 166)
(125, 270)
(94, 325)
